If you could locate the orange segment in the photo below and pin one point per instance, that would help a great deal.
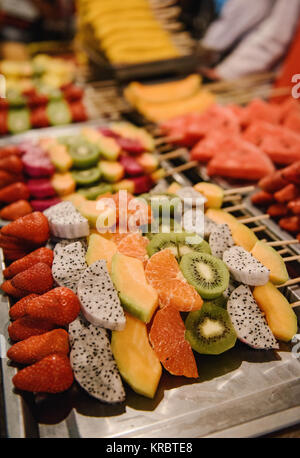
(168, 341)
(134, 245)
(163, 273)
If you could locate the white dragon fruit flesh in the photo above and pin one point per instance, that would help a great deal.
(248, 320)
(245, 268)
(220, 240)
(68, 265)
(66, 222)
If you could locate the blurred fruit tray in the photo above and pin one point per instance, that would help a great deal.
(241, 393)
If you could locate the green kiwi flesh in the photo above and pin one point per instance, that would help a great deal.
(209, 330)
(179, 243)
(208, 275)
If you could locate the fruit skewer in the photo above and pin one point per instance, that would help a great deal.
(293, 281)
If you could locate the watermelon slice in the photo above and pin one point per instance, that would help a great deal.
(215, 142)
(247, 163)
(284, 149)
(292, 121)
(260, 110)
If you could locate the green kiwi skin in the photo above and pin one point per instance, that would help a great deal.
(214, 345)
(160, 242)
(205, 292)
(84, 161)
(94, 191)
(220, 301)
(87, 177)
(180, 240)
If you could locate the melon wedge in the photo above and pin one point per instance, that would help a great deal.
(138, 364)
(243, 236)
(213, 193)
(136, 294)
(272, 260)
(279, 314)
(100, 248)
(221, 217)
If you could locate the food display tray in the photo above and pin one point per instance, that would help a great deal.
(241, 393)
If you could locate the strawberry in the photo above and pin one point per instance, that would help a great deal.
(7, 178)
(33, 228)
(9, 289)
(13, 192)
(43, 254)
(35, 348)
(16, 210)
(12, 243)
(12, 164)
(10, 150)
(27, 326)
(13, 254)
(36, 279)
(52, 374)
(60, 306)
(19, 308)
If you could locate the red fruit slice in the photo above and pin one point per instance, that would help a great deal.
(167, 337)
(27, 326)
(43, 204)
(7, 178)
(16, 210)
(40, 188)
(36, 279)
(18, 310)
(43, 254)
(13, 192)
(12, 164)
(35, 348)
(52, 374)
(10, 150)
(33, 228)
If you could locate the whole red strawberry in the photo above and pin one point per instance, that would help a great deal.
(53, 374)
(12, 164)
(37, 279)
(60, 306)
(9, 289)
(43, 254)
(19, 308)
(27, 326)
(15, 210)
(13, 192)
(33, 228)
(35, 348)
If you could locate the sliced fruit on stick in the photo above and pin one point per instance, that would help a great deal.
(52, 374)
(44, 255)
(59, 306)
(137, 362)
(278, 312)
(220, 240)
(13, 192)
(42, 204)
(36, 279)
(16, 210)
(245, 268)
(34, 228)
(270, 258)
(286, 194)
(248, 320)
(18, 310)
(63, 183)
(37, 164)
(209, 330)
(94, 366)
(262, 198)
(294, 206)
(292, 173)
(167, 337)
(40, 188)
(27, 326)
(273, 182)
(278, 210)
(35, 348)
(290, 224)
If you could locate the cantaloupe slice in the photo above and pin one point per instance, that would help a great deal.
(221, 217)
(136, 294)
(138, 364)
(243, 236)
(63, 183)
(279, 314)
(98, 217)
(173, 188)
(213, 193)
(272, 260)
(75, 198)
(60, 157)
(100, 248)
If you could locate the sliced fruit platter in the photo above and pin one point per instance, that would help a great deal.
(78, 164)
(106, 306)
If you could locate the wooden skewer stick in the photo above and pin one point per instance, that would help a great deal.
(295, 304)
(283, 242)
(252, 219)
(258, 228)
(232, 198)
(243, 190)
(285, 250)
(234, 208)
(181, 168)
(162, 140)
(172, 155)
(292, 258)
(294, 281)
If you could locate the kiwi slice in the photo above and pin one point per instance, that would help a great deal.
(208, 275)
(220, 301)
(84, 155)
(18, 120)
(87, 177)
(161, 242)
(93, 192)
(209, 330)
(59, 113)
(188, 243)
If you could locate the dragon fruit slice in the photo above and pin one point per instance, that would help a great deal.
(245, 268)
(190, 196)
(131, 166)
(209, 226)
(66, 222)
(248, 320)
(40, 188)
(77, 328)
(100, 303)
(41, 205)
(61, 243)
(37, 165)
(68, 265)
(220, 240)
(94, 366)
